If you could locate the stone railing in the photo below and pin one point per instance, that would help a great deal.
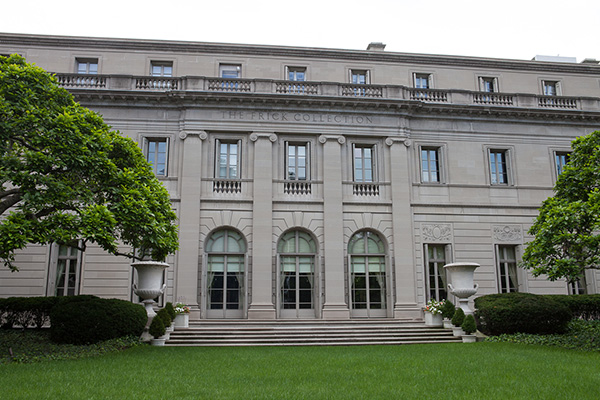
(365, 189)
(330, 89)
(297, 187)
(227, 186)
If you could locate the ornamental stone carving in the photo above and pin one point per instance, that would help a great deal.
(507, 233)
(201, 134)
(323, 138)
(254, 136)
(391, 140)
(436, 232)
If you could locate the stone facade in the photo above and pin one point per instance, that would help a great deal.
(319, 183)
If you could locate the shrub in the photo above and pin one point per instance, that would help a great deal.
(448, 309)
(583, 306)
(157, 328)
(92, 320)
(171, 310)
(165, 317)
(468, 325)
(459, 317)
(520, 312)
(26, 311)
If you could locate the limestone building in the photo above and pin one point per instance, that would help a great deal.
(320, 183)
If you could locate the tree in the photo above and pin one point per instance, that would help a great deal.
(65, 177)
(567, 229)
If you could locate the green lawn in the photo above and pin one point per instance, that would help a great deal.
(437, 371)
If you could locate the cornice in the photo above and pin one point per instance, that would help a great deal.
(169, 46)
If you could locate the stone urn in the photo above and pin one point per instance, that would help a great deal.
(461, 283)
(434, 320)
(149, 286)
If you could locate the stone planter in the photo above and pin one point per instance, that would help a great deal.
(158, 342)
(461, 283)
(182, 321)
(447, 324)
(457, 331)
(149, 286)
(469, 338)
(433, 320)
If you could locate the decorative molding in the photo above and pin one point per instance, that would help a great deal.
(254, 136)
(507, 233)
(436, 232)
(398, 139)
(201, 134)
(340, 139)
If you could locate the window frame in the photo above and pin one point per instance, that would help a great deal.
(217, 154)
(559, 165)
(556, 84)
(223, 68)
(483, 80)
(308, 163)
(55, 257)
(364, 72)
(508, 153)
(439, 149)
(157, 139)
(162, 64)
(87, 61)
(419, 76)
(447, 252)
(295, 69)
(374, 162)
(502, 261)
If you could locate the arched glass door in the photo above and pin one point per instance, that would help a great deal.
(297, 294)
(367, 275)
(225, 268)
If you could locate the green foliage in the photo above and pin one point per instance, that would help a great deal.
(448, 309)
(95, 320)
(469, 325)
(520, 312)
(459, 317)
(567, 229)
(163, 314)
(157, 327)
(580, 334)
(65, 177)
(26, 312)
(171, 310)
(583, 306)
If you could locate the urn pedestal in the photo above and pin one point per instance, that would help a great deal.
(461, 283)
(149, 286)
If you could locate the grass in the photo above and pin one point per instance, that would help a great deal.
(437, 371)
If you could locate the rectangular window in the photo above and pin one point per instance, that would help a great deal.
(422, 81)
(561, 159)
(487, 84)
(296, 74)
(87, 66)
(578, 286)
(498, 167)
(64, 272)
(157, 155)
(435, 259)
(507, 268)
(228, 159)
(297, 160)
(161, 68)
(231, 71)
(430, 164)
(551, 88)
(359, 76)
(364, 162)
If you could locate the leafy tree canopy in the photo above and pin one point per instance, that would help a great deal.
(567, 229)
(65, 177)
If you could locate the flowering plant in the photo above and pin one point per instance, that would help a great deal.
(434, 306)
(181, 308)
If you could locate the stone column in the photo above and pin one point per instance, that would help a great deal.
(186, 277)
(405, 306)
(261, 305)
(335, 306)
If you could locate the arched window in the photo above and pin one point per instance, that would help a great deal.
(297, 253)
(226, 251)
(367, 273)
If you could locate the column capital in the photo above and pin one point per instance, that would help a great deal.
(254, 136)
(340, 139)
(201, 134)
(398, 139)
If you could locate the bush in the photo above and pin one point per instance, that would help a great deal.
(448, 309)
(26, 311)
(92, 320)
(171, 310)
(468, 325)
(583, 306)
(520, 312)
(459, 317)
(157, 328)
(164, 316)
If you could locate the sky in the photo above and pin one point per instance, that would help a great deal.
(514, 29)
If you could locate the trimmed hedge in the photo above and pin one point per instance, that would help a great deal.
(583, 306)
(520, 312)
(26, 312)
(94, 320)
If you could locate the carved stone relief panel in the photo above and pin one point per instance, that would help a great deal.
(507, 233)
(436, 233)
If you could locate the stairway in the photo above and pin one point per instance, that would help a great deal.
(307, 333)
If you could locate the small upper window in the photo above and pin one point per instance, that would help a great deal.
(359, 76)
(230, 71)
(297, 74)
(87, 66)
(422, 81)
(551, 88)
(161, 68)
(487, 84)
(561, 158)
